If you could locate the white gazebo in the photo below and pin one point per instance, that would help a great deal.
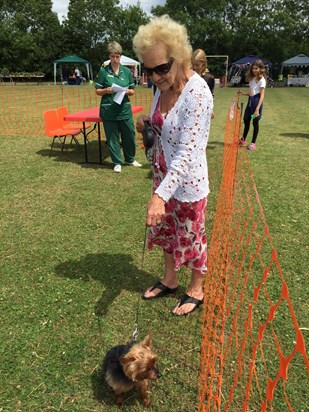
(127, 61)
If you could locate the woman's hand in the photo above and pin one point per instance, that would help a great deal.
(130, 92)
(140, 123)
(108, 90)
(155, 210)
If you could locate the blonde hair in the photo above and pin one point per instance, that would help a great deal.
(167, 31)
(114, 48)
(200, 55)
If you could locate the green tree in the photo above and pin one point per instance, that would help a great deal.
(90, 25)
(273, 29)
(129, 20)
(203, 20)
(30, 35)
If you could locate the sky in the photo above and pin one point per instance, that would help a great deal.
(61, 6)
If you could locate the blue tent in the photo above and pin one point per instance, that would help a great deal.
(301, 60)
(239, 68)
(246, 61)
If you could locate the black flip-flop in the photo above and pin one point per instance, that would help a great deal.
(188, 299)
(164, 291)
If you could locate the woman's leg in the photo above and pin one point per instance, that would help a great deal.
(128, 140)
(170, 278)
(246, 129)
(111, 130)
(195, 290)
(255, 129)
(247, 119)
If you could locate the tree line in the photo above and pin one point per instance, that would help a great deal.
(32, 37)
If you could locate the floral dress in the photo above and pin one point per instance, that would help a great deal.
(182, 229)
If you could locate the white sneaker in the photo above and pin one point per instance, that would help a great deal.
(117, 168)
(135, 164)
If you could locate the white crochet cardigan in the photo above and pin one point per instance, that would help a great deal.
(184, 139)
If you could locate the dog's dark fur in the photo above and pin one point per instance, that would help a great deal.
(126, 366)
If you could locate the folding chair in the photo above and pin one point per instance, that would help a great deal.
(53, 129)
(67, 125)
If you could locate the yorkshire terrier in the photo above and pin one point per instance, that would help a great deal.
(127, 366)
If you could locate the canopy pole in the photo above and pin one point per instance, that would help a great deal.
(55, 73)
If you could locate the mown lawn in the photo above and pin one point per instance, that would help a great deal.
(71, 261)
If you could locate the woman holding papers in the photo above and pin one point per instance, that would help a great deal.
(115, 84)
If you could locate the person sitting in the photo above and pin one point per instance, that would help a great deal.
(72, 78)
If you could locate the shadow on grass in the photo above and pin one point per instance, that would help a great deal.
(296, 135)
(76, 154)
(115, 271)
(212, 145)
(105, 395)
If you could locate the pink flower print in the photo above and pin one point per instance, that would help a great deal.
(185, 242)
(191, 215)
(199, 262)
(169, 220)
(182, 232)
(188, 254)
(178, 254)
(181, 216)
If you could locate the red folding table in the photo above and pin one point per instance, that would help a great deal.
(92, 115)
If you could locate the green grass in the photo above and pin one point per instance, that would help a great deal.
(71, 262)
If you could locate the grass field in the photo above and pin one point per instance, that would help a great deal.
(71, 262)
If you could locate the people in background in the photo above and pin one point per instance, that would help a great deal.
(117, 117)
(77, 75)
(254, 108)
(199, 65)
(180, 118)
(72, 78)
(65, 74)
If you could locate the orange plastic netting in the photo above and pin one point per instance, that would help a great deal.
(253, 352)
(22, 106)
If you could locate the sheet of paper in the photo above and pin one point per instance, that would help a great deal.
(120, 93)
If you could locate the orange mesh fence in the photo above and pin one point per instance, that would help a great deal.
(253, 355)
(22, 106)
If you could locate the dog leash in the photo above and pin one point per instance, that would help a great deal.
(135, 331)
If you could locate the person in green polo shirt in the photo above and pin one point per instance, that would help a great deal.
(117, 115)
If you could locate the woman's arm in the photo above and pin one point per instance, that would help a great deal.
(103, 92)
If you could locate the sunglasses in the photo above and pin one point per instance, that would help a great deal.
(160, 70)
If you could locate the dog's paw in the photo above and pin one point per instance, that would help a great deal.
(147, 402)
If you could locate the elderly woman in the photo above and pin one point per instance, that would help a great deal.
(117, 117)
(180, 119)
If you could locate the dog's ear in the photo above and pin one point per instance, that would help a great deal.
(147, 341)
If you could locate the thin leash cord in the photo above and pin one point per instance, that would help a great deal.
(135, 331)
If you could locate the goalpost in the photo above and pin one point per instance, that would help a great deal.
(226, 63)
